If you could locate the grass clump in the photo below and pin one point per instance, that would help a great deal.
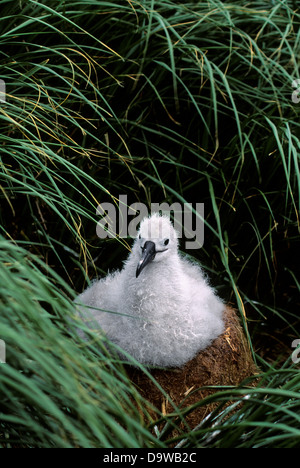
(56, 391)
(162, 101)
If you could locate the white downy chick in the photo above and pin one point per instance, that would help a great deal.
(164, 311)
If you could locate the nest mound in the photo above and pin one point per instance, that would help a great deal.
(228, 361)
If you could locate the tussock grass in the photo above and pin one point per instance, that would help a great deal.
(162, 101)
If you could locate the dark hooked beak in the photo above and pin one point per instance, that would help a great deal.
(148, 255)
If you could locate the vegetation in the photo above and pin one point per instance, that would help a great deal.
(162, 101)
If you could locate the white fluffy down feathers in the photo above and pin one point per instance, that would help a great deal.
(165, 312)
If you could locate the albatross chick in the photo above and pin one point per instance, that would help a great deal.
(164, 310)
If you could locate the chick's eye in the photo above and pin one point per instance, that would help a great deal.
(166, 242)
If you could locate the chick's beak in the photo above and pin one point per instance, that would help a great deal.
(148, 255)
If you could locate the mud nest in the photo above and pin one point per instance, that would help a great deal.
(228, 361)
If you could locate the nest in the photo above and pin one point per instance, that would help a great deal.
(228, 361)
